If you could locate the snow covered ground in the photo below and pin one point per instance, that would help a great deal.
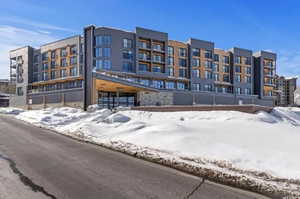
(262, 147)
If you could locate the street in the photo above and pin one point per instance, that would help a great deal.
(59, 167)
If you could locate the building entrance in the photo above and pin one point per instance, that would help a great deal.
(113, 99)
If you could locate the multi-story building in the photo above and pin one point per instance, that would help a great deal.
(285, 89)
(51, 74)
(142, 67)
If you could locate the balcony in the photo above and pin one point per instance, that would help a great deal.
(144, 45)
(144, 58)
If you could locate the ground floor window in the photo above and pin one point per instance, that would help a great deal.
(112, 99)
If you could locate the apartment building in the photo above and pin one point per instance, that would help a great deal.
(144, 67)
(51, 74)
(285, 89)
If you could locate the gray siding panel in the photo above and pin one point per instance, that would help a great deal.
(73, 96)
(55, 98)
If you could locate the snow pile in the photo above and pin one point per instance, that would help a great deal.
(262, 147)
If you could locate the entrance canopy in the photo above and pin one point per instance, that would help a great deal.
(103, 82)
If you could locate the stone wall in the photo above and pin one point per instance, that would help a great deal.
(155, 98)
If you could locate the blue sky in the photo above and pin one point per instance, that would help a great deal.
(257, 25)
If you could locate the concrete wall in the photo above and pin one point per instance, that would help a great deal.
(201, 98)
(73, 98)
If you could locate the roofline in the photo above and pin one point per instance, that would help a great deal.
(20, 48)
(60, 40)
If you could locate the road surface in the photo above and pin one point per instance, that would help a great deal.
(59, 167)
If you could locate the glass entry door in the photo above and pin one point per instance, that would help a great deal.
(112, 99)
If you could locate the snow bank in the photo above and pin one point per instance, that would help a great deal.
(264, 147)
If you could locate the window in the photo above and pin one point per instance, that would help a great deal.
(106, 52)
(247, 91)
(196, 87)
(98, 52)
(99, 64)
(127, 43)
(157, 84)
(182, 52)
(195, 62)
(216, 57)
(35, 77)
(73, 50)
(170, 71)
(170, 85)
(208, 75)
(45, 66)
(208, 64)
(226, 59)
(196, 52)
(63, 73)
(170, 50)
(208, 87)
(182, 72)
(248, 70)
(45, 56)
(144, 82)
(195, 73)
(63, 52)
(103, 40)
(52, 74)
(156, 69)
(182, 62)
(45, 76)
(35, 68)
(238, 69)
(144, 56)
(237, 59)
(53, 54)
(215, 67)
(248, 60)
(248, 79)
(53, 64)
(127, 54)
(73, 60)
(208, 54)
(143, 67)
(63, 62)
(237, 78)
(226, 69)
(20, 91)
(170, 61)
(157, 58)
(106, 64)
(73, 71)
(36, 58)
(144, 44)
(226, 78)
(127, 67)
(157, 47)
(238, 91)
(216, 77)
(180, 86)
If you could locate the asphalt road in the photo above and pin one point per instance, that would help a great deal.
(59, 167)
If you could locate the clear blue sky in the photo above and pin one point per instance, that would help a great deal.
(256, 24)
